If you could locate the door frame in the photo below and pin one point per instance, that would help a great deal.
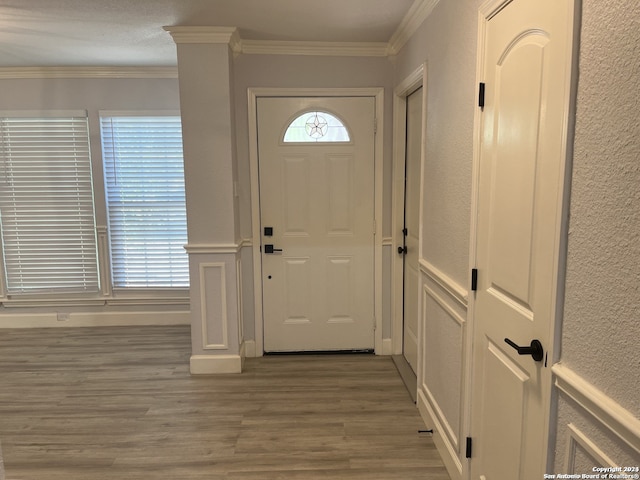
(253, 94)
(415, 80)
(486, 11)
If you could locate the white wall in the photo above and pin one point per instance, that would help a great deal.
(446, 41)
(601, 325)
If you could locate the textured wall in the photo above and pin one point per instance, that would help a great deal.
(601, 326)
(447, 42)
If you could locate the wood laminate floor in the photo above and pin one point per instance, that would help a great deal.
(118, 403)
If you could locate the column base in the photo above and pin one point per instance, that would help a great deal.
(211, 364)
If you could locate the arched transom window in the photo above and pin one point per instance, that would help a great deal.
(316, 126)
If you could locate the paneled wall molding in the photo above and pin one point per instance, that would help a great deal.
(213, 279)
(454, 289)
(447, 449)
(437, 299)
(88, 72)
(451, 435)
(442, 302)
(577, 438)
(600, 406)
(206, 248)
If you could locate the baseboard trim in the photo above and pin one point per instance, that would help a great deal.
(445, 448)
(250, 348)
(408, 376)
(387, 346)
(212, 364)
(96, 319)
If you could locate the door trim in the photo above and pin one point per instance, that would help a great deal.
(486, 11)
(415, 80)
(253, 95)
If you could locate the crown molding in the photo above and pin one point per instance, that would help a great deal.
(342, 49)
(417, 14)
(196, 34)
(87, 72)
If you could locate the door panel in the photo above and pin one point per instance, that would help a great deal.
(412, 225)
(502, 375)
(520, 206)
(296, 202)
(318, 292)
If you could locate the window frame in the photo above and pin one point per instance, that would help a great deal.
(300, 114)
(87, 189)
(137, 291)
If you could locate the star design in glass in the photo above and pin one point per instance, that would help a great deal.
(316, 126)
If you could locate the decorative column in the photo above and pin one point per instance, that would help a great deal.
(205, 74)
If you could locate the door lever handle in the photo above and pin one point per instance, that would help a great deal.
(268, 248)
(534, 349)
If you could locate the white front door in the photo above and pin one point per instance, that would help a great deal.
(527, 72)
(317, 213)
(411, 228)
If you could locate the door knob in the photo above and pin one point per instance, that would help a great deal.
(402, 250)
(534, 349)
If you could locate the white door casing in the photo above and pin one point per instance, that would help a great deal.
(526, 48)
(318, 199)
(416, 80)
(412, 227)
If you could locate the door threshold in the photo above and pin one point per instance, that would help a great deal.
(366, 351)
(408, 376)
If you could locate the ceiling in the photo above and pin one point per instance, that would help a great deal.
(42, 33)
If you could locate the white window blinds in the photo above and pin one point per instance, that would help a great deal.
(144, 176)
(46, 205)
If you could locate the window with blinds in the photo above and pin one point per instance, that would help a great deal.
(47, 218)
(144, 177)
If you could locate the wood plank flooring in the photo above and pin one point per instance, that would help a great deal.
(119, 403)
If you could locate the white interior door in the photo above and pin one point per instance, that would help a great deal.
(527, 71)
(317, 210)
(411, 228)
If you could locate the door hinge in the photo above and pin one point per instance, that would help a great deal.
(474, 279)
(481, 95)
(375, 126)
(468, 451)
(375, 226)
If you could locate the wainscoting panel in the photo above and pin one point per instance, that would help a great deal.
(213, 304)
(593, 430)
(582, 453)
(442, 359)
